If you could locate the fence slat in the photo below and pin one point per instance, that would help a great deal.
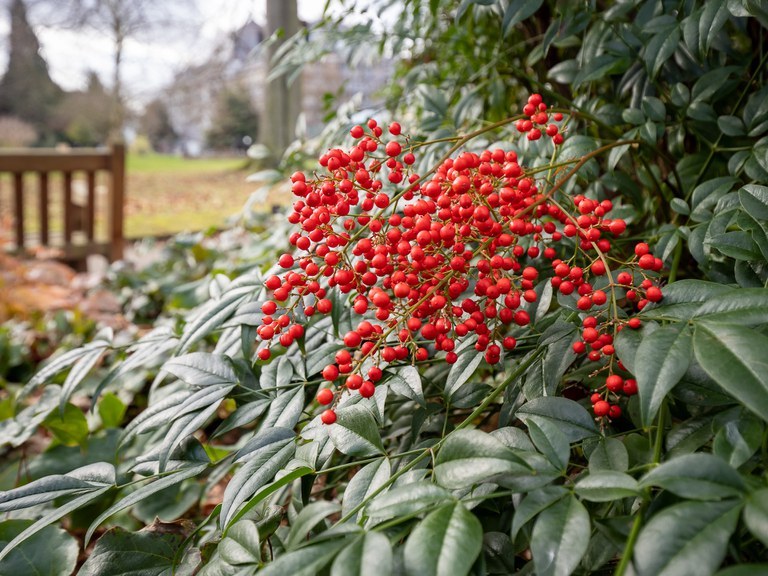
(44, 208)
(90, 210)
(18, 190)
(68, 212)
(118, 200)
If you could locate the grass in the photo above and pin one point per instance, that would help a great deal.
(161, 163)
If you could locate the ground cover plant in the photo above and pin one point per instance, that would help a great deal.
(530, 345)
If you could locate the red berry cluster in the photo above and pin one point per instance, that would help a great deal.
(429, 261)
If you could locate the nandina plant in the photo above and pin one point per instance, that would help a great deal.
(470, 367)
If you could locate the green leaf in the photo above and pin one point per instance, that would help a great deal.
(61, 362)
(660, 48)
(406, 382)
(534, 503)
(50, 552)
(661, 361)
(307, 561)
(145, 553)
(754, 199)
(744, 306)
(370, 552)
(213, 314)
(79, 371)
(111, 410)
(445, 543)
(84, 479)
(309, 517)
(364, 484)
(738, 439)
(201, 369)
(470, 456)
(551, 442)
(714, 15)
(462, 370)
(144, 492)
(654, 109)
(266, 455)
(560, 538)
(609, 454)
(735, 358)
(606, 485)
(355, 432)
(406, 500)
(572, 419)
(241, 544)
(756, 515)
(68, 427)
(52, 516)
(744, 570)
(731, 125)
(684, 536)
(517, 11)
(697, 476)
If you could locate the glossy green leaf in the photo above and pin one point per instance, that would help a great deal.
(145, 553)
(560, 538)
(551, 442)
(748, 306)
(697, 476)
(445, 543)
(735, 358)
(355, 432)
(517, 11)
(61, 362)
(142, 493)
(50, 552)
(307, 561)
(80, 369)
(659, 49)
(756, 515)
(242, 544)
(406, 500)
(268, 453)
(738, 439)
(370, 552)
(462, 370)
(406, 382)
(201, 369)
(534, 503)
(713, 17)
(606, 485)
(309, 517)
(754, 199)
(212, 314)
(609, 454)
(470, 456)
(661, 361)
(365, 483)
(688, 538)
(572, 418)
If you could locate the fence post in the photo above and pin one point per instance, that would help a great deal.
(118, 202)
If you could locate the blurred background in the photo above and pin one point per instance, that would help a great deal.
(188, 85)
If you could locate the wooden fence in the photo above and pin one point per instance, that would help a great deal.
(77, 216)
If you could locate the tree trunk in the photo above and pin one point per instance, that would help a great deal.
(283, 102)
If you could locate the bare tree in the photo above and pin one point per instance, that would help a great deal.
(121, 20)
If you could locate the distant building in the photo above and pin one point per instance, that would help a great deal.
(242, 62)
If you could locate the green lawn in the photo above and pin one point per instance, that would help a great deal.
(159, 163)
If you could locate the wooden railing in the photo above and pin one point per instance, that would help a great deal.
(77, 215)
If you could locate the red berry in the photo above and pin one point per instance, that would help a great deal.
(325, 396)
(614, 412)
(394, 128)
(331, 372)
(367, 389)
(328, 417)
(356, 132)
(614, 382)
(630, 387)
(601, 408)
(393, 148)
(285, 261)
(264, 354)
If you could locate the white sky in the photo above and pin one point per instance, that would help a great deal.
(147, 66)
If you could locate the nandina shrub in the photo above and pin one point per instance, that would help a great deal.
(476, 368)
